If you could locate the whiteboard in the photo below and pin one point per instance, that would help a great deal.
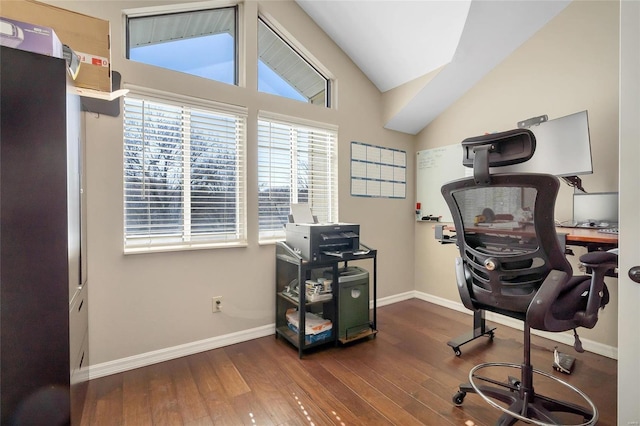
(435, 167)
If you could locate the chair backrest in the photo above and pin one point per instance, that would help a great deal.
(506, 235)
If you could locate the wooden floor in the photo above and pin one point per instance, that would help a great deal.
(406, 375)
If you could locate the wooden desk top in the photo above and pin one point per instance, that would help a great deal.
(586, 235)
(575, 235)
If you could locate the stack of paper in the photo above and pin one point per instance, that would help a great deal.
(314, 324)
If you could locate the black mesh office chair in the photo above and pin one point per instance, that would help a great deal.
(512, 263)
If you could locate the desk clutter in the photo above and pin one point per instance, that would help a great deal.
(563, 362)
(316, 328)
(609, 230)
(316, 291)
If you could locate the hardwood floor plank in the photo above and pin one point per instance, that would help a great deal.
(250, 410)
(223, 413)
(162, 395)
(436, 382)
(205, 377)
(231, 380)
(332, 407)
(191, 405)
(310, 411)
(203, 421)
(266, 382)
(379, 400)
(219, 406)
(399, 367)
(406, 374)
(136, 405)
(105, 402)
(393, 389)
(360, 408)
(103, 413)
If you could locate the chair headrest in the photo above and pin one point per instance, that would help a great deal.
(497, 150)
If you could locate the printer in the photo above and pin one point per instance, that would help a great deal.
(315, 240)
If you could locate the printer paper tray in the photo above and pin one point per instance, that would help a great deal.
(348, 254)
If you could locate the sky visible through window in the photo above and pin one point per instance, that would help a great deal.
(187, 56)
(270, 82)
(210, 57)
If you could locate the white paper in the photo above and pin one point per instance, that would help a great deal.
(301, 213)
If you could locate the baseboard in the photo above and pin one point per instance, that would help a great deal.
(166, 354)
(393, 299)
(565, 337)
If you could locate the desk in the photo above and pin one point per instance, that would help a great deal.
(586, 237)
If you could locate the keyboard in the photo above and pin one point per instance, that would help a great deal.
(609, 230)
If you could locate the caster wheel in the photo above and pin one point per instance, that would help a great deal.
(457, 351)
(458, 398)
(491, 335)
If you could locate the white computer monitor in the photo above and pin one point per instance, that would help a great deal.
(595, 209)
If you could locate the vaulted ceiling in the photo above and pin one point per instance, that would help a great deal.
(451, 44)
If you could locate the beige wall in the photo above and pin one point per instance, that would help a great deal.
(570, 65)
(149, 302)
(145, 303)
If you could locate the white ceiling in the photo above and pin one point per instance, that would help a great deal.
(396, 41)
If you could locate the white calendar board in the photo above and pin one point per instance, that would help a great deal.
(377, 171)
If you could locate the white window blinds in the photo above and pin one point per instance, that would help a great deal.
(184, 174)
(297, 163)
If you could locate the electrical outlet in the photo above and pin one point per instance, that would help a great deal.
(216, 303)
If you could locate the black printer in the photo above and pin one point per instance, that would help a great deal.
(315, 241)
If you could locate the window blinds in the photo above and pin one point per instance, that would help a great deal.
(184, 175)
(297, 163)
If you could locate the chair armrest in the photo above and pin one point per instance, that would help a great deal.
(600, 259)
(600, 263)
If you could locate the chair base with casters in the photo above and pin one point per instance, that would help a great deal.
(523, 403)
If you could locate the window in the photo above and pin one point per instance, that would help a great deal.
(201, 42)
(297, 163)
(284, 72)
(184, 174)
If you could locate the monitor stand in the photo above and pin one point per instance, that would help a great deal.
(479, 329)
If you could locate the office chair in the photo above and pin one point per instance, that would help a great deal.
(511, 263)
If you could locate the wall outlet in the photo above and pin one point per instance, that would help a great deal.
(216, 304)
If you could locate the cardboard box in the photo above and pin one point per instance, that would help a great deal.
(30, 37)
(89, 37)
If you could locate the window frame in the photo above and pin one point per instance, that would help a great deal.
(191, 242)
(172, 9)
(330, 212)
(302, 54)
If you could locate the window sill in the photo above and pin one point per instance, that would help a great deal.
(170, 248)
(270, 241)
